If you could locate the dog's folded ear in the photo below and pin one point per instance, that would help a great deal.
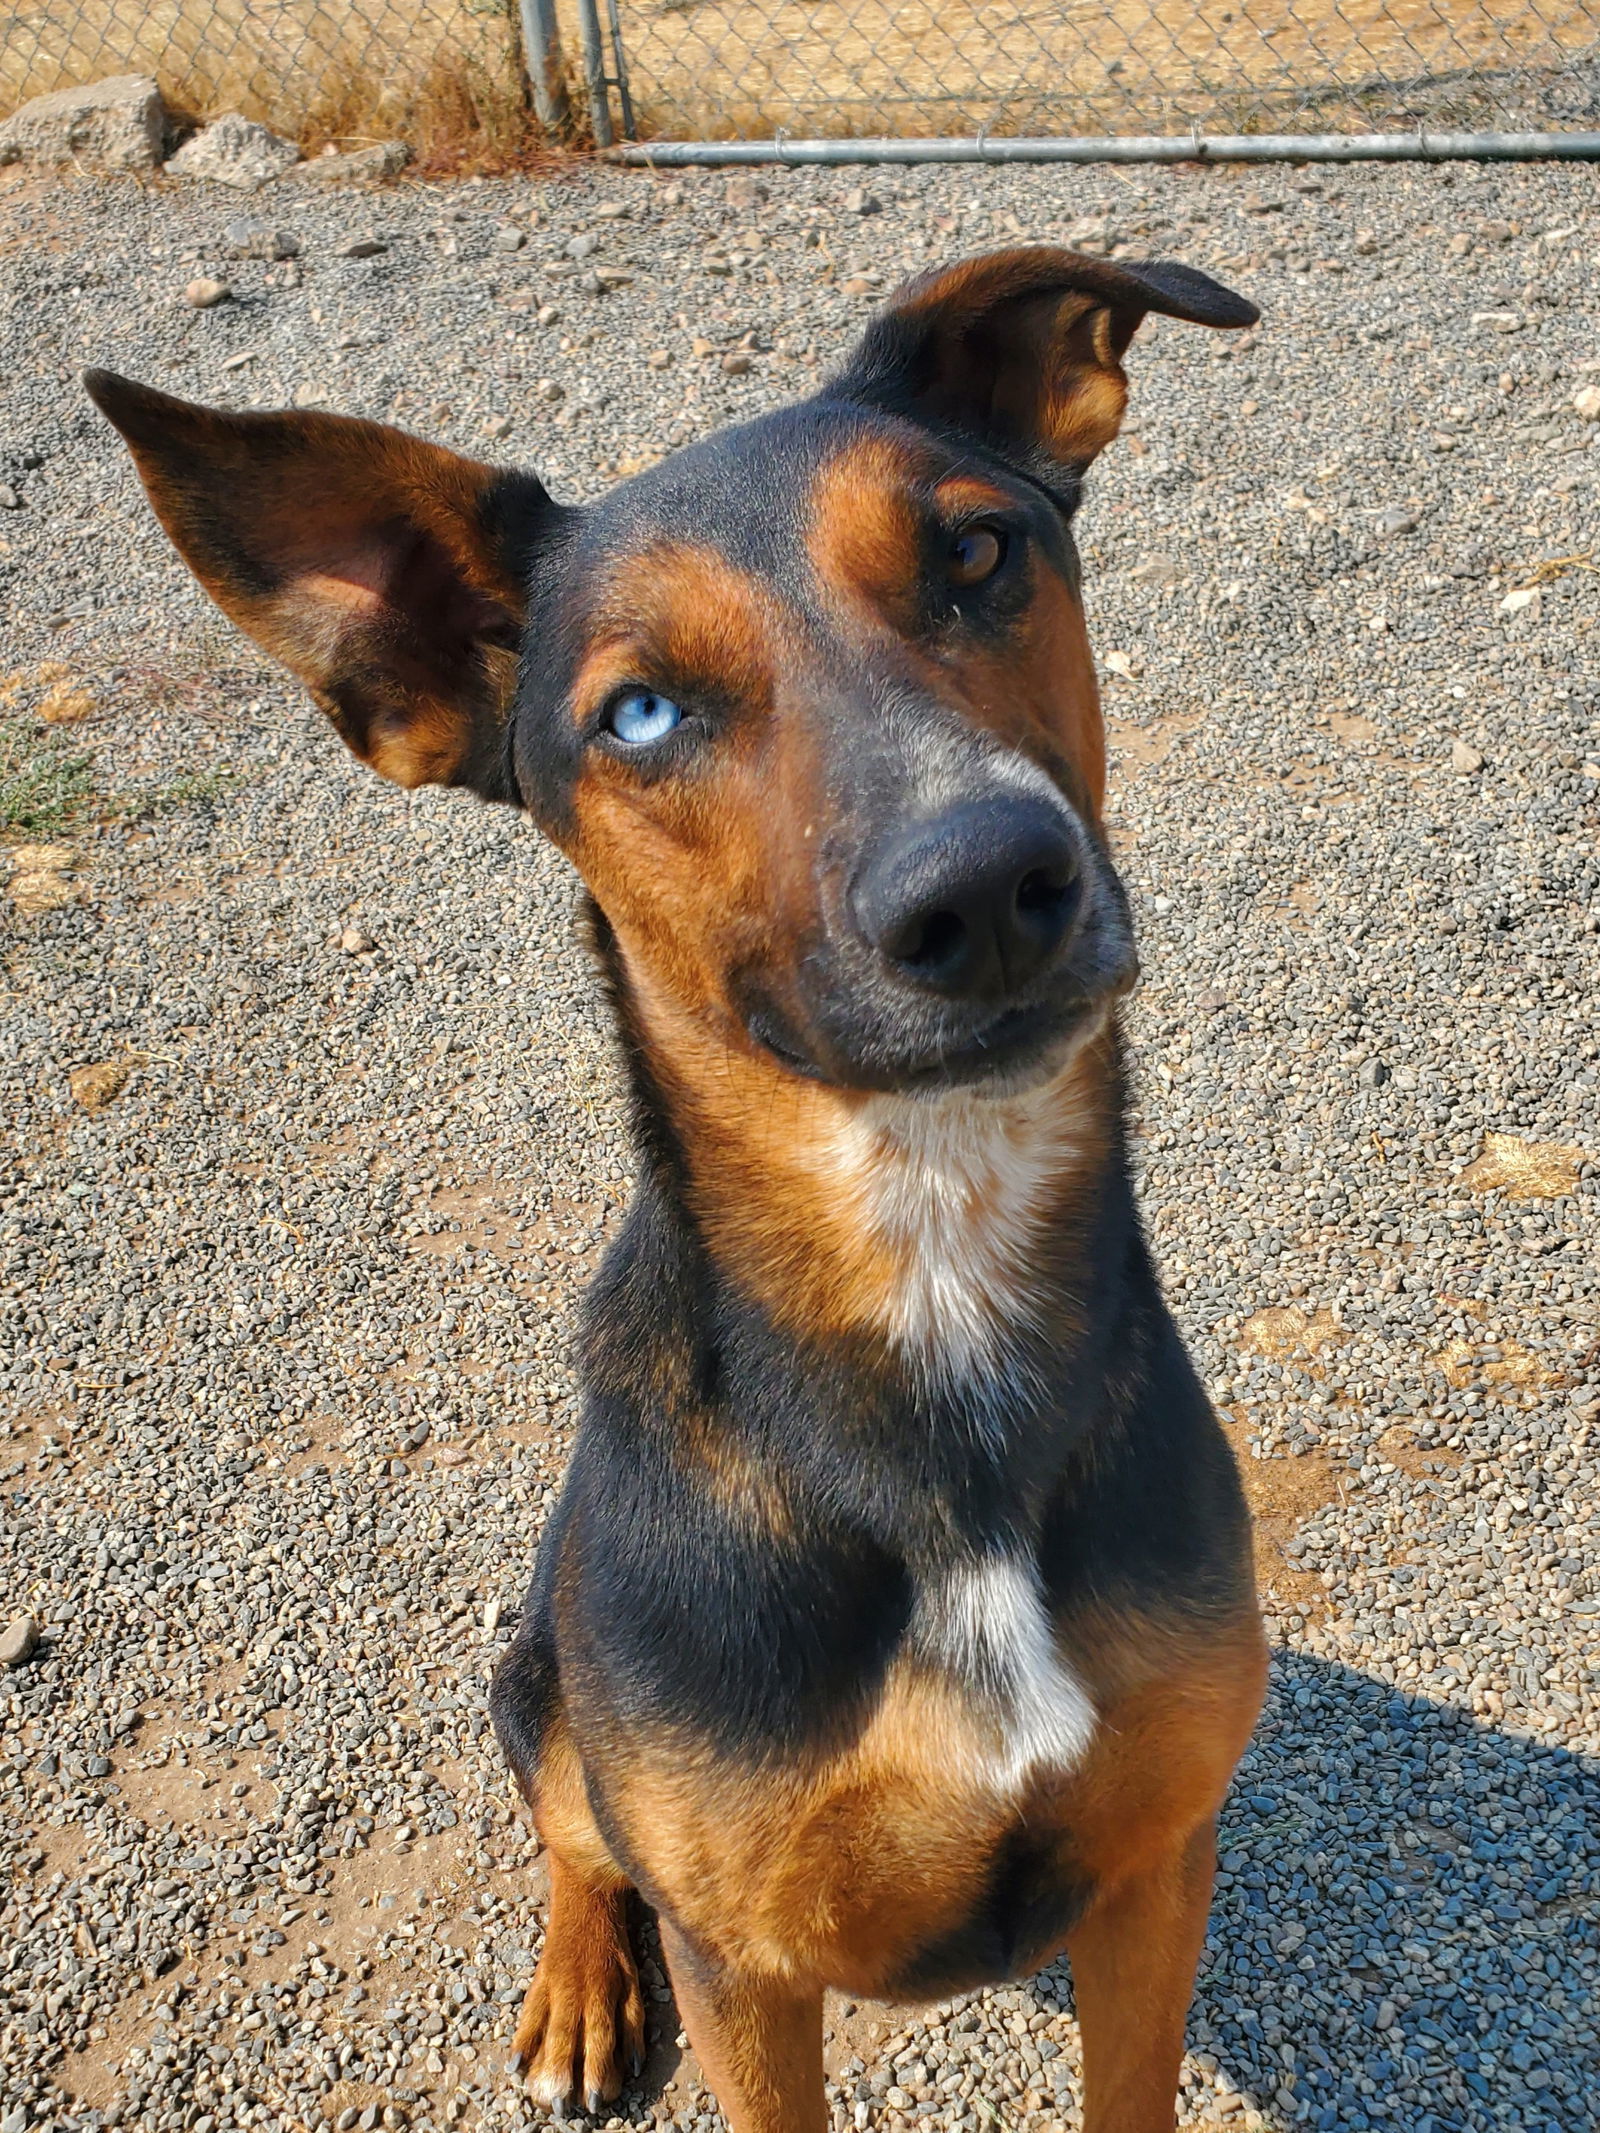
(387, 573)
(1023, 349)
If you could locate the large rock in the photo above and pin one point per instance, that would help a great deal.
(234, 151)
(120, 124)
(384, 159)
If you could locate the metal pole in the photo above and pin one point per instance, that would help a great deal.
(1113, 148)
(594, 74)
(541, 60)
(629, 129)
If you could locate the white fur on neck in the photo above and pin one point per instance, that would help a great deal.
(985, 1622)
(956, 1187)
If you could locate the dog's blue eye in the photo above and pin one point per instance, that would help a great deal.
(641, 717)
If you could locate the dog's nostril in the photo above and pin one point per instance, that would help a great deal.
(932, 941)
(1041, 894)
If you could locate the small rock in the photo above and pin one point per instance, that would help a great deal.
(362, 166)
(857, 285)
(860, 202)
(306, 396)
(583, 246)
(1465, 760)
(205, 291)
(118, 124)
(247, 239)
(93, 1087)
(659, 358)
(1399, 518)
(9, 499)
(1587, 403)
(97, 1766)
(1373, 1074)
(1122, 664)
(1156, 570)
(736, 362)
(360, 248)
(510, 238)
(1521, 602)
(19, 1642)
(356, 942)
(497, 426)
(234, 151)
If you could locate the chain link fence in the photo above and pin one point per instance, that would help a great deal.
(742, 68)
(454, 76)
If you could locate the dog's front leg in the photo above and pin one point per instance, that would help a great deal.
(758, 2039)
(1134, 1957)
(582, 2026)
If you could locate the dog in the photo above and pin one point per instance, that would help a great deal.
(896, 1628)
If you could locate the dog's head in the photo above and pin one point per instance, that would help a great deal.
(810, 705)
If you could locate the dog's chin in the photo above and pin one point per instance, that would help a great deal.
(1019, 1049)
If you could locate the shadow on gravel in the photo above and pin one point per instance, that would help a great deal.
(1405, 1894)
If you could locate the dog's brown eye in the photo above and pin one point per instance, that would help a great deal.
(975, 555)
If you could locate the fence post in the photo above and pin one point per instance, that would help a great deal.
(541, 60)
(594, 74)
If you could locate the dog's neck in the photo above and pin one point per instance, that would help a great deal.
(949, 1230)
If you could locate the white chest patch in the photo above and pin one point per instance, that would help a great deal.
(955, 1187)
(986, 1625)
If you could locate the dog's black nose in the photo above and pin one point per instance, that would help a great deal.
(972, 903)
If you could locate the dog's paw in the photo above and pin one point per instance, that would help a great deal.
(581, 2033)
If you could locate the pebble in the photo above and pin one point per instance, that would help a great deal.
(205, 291)
(361, 248)
(303, 1230)
(245, 238)
(1465, 759)
(9, 499)
(355, 940)
(19, 1641)
(1397, 519)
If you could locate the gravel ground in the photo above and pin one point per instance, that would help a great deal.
(283, 1370)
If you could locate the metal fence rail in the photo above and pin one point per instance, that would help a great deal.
(485, 73)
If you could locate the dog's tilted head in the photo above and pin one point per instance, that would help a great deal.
(810, 704)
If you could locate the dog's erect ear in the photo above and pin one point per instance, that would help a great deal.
(387, 573)
(1024, 349)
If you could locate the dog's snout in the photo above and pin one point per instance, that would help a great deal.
(971, 904)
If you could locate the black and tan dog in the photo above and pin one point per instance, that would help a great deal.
(896, 1627)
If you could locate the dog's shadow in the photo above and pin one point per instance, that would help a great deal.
(1407, 1919)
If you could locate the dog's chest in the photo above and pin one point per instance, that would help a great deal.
(983, 1629)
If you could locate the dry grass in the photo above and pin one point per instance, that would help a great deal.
(446, 74)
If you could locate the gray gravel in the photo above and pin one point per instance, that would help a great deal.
(284, 1363)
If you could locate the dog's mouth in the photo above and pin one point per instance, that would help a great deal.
(1012, 1050)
